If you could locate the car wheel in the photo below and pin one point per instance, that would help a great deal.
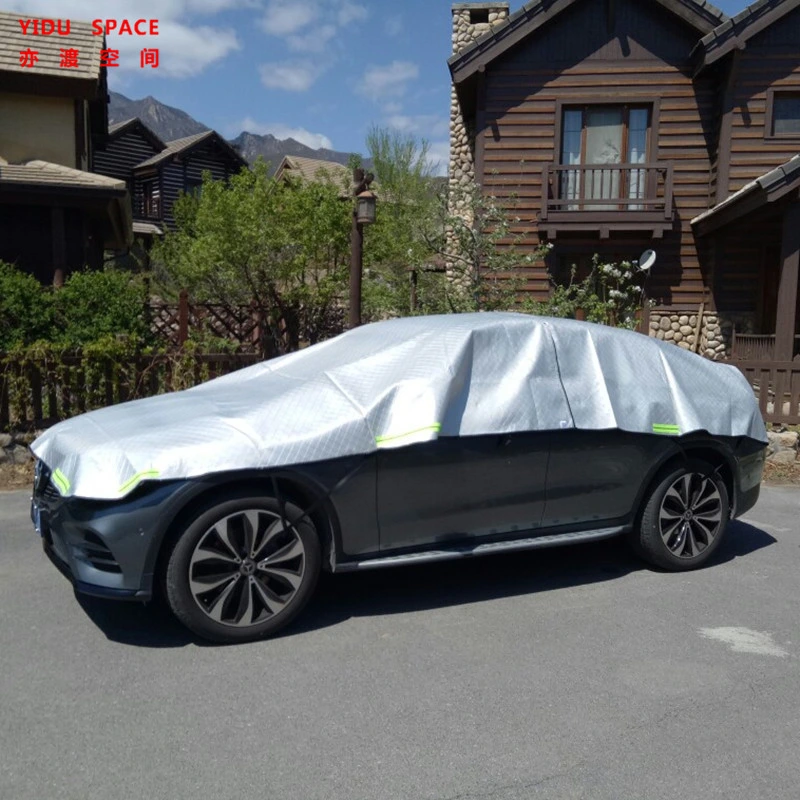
(684, 517)
(242, 570)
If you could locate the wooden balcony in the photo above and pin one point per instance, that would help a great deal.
(602, 198)
(758, 347)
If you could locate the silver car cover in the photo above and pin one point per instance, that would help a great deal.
(394, 383)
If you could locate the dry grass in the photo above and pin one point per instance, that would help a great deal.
(16, 476)
(782, 474)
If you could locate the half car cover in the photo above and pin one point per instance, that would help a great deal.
(394, 383)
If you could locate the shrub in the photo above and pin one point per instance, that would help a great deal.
(26, 311)
(95, 304)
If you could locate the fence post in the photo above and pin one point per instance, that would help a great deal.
(5, 417)
(183, 317)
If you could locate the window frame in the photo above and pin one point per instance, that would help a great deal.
(769, 116)
(151, 199)
(631, 101)
(650, 103)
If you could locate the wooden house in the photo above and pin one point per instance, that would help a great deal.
(614, 126)
(56, 216)
(157, 172)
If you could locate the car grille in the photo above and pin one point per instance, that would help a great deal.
(97, 553)
(49, 491)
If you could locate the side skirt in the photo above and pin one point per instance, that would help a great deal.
(490, 548)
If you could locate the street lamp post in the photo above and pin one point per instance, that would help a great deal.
(364, 213)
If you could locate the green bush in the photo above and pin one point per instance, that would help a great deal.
(26, 310)
(95, 304)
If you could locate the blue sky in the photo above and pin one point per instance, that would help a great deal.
(322, 71)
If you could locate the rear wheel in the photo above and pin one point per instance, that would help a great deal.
(243, 570)
(684, 517)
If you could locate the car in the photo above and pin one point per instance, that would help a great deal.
(403, 441)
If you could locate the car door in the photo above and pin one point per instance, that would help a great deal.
(457, 488)
(594, 477)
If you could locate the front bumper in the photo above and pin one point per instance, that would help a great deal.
(106, 549)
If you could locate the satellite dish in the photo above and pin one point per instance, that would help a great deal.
(646, 260)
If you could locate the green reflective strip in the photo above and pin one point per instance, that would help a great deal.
(139, 476)
(666, 429)
(61, 482)
(381, 439)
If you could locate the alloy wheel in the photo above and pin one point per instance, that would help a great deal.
(690, 516)
(247, 568)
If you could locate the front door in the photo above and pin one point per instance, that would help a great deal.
(457, 488)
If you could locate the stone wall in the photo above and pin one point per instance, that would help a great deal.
(462, 134)
(14, 447)
(783, 447)
(716, 329)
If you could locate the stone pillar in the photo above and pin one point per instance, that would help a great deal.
(470, 21)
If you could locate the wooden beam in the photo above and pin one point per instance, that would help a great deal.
(480, 128)
(59, 241)
(611, 15)
(785, 318)
(725, 129)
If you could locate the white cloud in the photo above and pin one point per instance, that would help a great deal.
(392, 108)
(393, 26)
(351, 12)
(388, 81)
(281, 131)
(306, 26)
(427, 124)
(185, 49)
(283, 17)
(439, 156)
(291, 76)
(316, 41)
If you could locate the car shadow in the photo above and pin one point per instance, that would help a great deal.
(472, 580)
(421, 587)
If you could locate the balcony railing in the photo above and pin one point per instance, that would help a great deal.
(608, 196)
(757, 347)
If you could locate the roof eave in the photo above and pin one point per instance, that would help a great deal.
(734, 33)
(533, 15)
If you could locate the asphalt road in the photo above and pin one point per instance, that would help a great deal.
(556, 674)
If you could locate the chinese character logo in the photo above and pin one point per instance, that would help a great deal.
(69, 57)
(149, 57)
(28, 58)
(109, 58)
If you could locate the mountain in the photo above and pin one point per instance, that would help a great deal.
(170, 123)
(252, 145)
(166, 122)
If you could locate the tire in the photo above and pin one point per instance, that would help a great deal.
(684, 517)
(228, 585)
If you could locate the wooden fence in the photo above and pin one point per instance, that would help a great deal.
(248, 326)
(37, 393)
(756, 347)
(777, 388)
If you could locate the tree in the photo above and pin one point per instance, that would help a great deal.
(458, 242)
(408, 217)
(281, 246)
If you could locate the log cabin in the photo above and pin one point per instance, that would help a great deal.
(56, 215)
(615, 126)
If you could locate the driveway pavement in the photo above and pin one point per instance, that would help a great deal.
(573, 673)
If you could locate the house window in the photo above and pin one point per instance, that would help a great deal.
(604, 135)
(152, 200)
(194, 186)
(784, 119)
